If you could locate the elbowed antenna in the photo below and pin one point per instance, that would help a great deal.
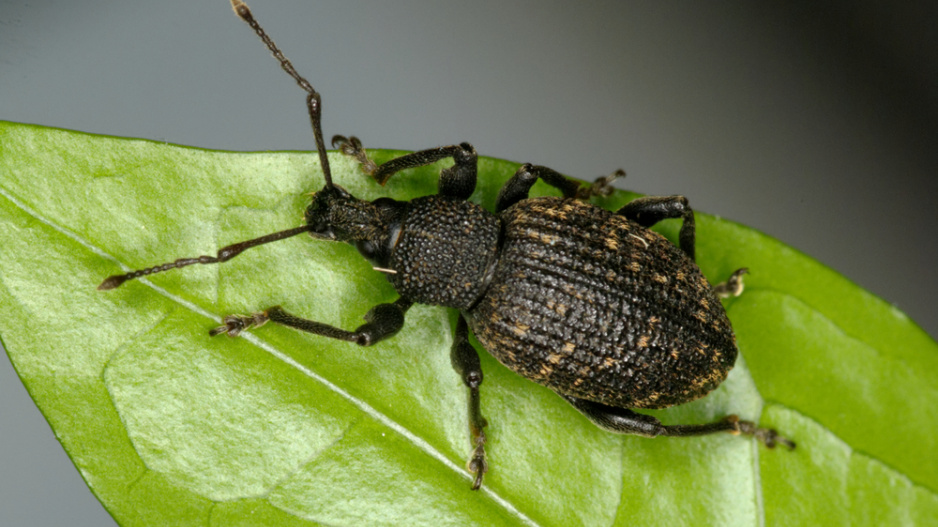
(313, 104)
(224, 254)
(313, 100)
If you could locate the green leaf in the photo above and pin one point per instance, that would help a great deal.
(170, 426)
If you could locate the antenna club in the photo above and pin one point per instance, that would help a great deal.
(240, 8)
(112, 282)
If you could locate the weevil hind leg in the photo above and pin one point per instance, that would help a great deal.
(733, 286)
(625, 421)
(466, 362)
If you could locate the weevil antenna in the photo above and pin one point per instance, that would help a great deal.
(224, 254)
(313, 99)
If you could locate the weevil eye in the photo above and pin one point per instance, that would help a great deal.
(367, 249)
(384, 203)
(336, 192)
(321, 227)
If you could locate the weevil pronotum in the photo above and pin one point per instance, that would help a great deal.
(590, 303)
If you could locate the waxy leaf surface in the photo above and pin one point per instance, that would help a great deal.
(170, 426)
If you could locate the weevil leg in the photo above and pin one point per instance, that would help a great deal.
(382, 321)
(601, 186)
(519, 186)
(457, 181)
(624, 421)
(649, 210)
(352, 147)
(733, 286)
(465, 360)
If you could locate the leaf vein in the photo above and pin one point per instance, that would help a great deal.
(833, 323)
(371, 411)
(855, 451)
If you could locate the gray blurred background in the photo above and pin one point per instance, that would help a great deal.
(815, 124)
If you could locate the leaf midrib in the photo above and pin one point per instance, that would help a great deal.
(411, 436)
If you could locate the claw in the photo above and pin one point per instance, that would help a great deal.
(352, 147)
(768, 436)
(601, 187)
(771, 438)
(235, 324)
(477, 464)
(349, 146)
(733, 286)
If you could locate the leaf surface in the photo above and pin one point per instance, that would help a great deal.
(278, 427)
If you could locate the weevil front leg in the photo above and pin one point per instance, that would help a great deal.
(383, 321)
(352, 147)
(457, 181)
(465, 360)
(624, 421)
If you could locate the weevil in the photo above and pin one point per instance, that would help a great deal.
(590, 303)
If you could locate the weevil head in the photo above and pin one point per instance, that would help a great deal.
(323, 215)
(371, 226)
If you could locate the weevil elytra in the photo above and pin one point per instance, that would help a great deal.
(588, 302)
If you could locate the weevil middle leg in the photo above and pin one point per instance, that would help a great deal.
(518, 187)
(649, 210)
(466, 362)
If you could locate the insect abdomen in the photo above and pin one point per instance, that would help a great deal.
(595, 306)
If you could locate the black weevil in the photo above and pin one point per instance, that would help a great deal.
(592, 304)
